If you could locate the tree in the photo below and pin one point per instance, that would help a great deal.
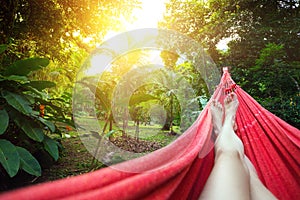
(27, 117)
(60, 33)
(280, 96)
(63, 31)
(49, 26)
(182, 78)
(251, 25)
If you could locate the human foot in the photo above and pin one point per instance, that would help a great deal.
(231, 104)
(217, 115)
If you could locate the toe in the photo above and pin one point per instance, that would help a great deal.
(227, 99)
(219, 106)
(213, 102)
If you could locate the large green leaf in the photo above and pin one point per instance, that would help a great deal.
(28, 163)
(18, 102)
(31, 131)
(4, 119)
(51, 147)
(9, 157)
(21, 79)
(100, 95)
(37, 93)
(30, 127)
(49, 124)
(41, 85)
(139, 98)
(24, 67)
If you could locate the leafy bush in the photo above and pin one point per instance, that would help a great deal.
(24, 126)
(274, 82)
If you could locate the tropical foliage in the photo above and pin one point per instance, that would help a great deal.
(27, 116)
(263, 40)
(44, 43)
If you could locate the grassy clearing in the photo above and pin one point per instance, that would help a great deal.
(75, 159)
(151, 132)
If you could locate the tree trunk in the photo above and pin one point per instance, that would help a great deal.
(137, 130)
(125, 122)
(171, 118)
(166, 126)
(110, 121)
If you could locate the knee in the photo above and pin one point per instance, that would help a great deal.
(228, 153)
(230, 146)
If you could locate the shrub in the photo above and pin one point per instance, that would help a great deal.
(24, 126)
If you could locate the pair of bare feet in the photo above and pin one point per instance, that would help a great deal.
(233, 175)
(230, 104)
(224, 126)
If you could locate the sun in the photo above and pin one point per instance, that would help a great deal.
(150, 13)
(146, 16)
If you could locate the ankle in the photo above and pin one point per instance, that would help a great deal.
(229, 118)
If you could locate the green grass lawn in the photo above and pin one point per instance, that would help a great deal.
(75, 159)
(151, 132)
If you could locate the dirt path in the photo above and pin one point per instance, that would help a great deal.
(74, 160)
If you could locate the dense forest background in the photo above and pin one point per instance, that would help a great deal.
(43, 44)
(264, 42)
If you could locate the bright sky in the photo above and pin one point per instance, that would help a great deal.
(150, 13)
(148, 16)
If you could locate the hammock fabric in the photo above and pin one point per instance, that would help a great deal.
(180, 170)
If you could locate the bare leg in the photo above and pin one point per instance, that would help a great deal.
(257, 189)
(229, 178)
(228, 141)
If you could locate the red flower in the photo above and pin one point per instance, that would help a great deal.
(69, 128)
(42, 110)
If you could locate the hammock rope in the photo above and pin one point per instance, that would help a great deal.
(180, 170)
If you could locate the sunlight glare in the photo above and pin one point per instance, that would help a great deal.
(150, 13)
(97, 64)
(222, 44)
(147, 16)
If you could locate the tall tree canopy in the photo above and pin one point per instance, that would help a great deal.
(62, 30)
(264, 43)
(33, 107)
(52, 26)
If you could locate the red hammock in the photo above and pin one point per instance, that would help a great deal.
(179, 170)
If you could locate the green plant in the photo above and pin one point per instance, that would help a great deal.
(24, 126)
